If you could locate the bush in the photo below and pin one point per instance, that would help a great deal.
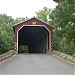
(23, 49)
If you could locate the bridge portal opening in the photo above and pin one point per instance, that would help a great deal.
(35, 37)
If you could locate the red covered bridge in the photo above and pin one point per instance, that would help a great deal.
(34, 33)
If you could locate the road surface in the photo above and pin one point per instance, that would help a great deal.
(36, 64)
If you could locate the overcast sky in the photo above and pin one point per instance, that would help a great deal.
(23, 8)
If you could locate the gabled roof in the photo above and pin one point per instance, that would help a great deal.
(29, 22)
(36, 19)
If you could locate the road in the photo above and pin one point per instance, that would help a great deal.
(36, 64)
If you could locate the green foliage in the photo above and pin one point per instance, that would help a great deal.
(6, 32)
(17, 20)
(2, 46)
(73, 54)
(6, 19)
(63, 18)
(23, 49)
(44, 14)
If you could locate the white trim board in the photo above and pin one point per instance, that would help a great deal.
(33, 25)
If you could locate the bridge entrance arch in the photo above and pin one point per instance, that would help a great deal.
(34, 33)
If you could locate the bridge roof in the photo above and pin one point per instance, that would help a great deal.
(30, 22)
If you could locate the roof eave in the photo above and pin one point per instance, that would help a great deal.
(35, 18)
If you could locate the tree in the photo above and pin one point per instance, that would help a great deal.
(6, 32)
(63, 18)
(44, 14)
(6, 19)
(2, 45)
(17, 20)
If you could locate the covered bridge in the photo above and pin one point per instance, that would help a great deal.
(34, 33)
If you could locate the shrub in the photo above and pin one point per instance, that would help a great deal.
(23, 49)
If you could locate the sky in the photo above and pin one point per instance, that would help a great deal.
(24, 8)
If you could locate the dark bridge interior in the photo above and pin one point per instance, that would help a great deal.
(35, 37)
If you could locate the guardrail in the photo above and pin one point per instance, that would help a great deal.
(63, 55)
(7, 54)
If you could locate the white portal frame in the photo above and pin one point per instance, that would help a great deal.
(32, 26)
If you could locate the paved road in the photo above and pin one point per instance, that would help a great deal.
(36, 64)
